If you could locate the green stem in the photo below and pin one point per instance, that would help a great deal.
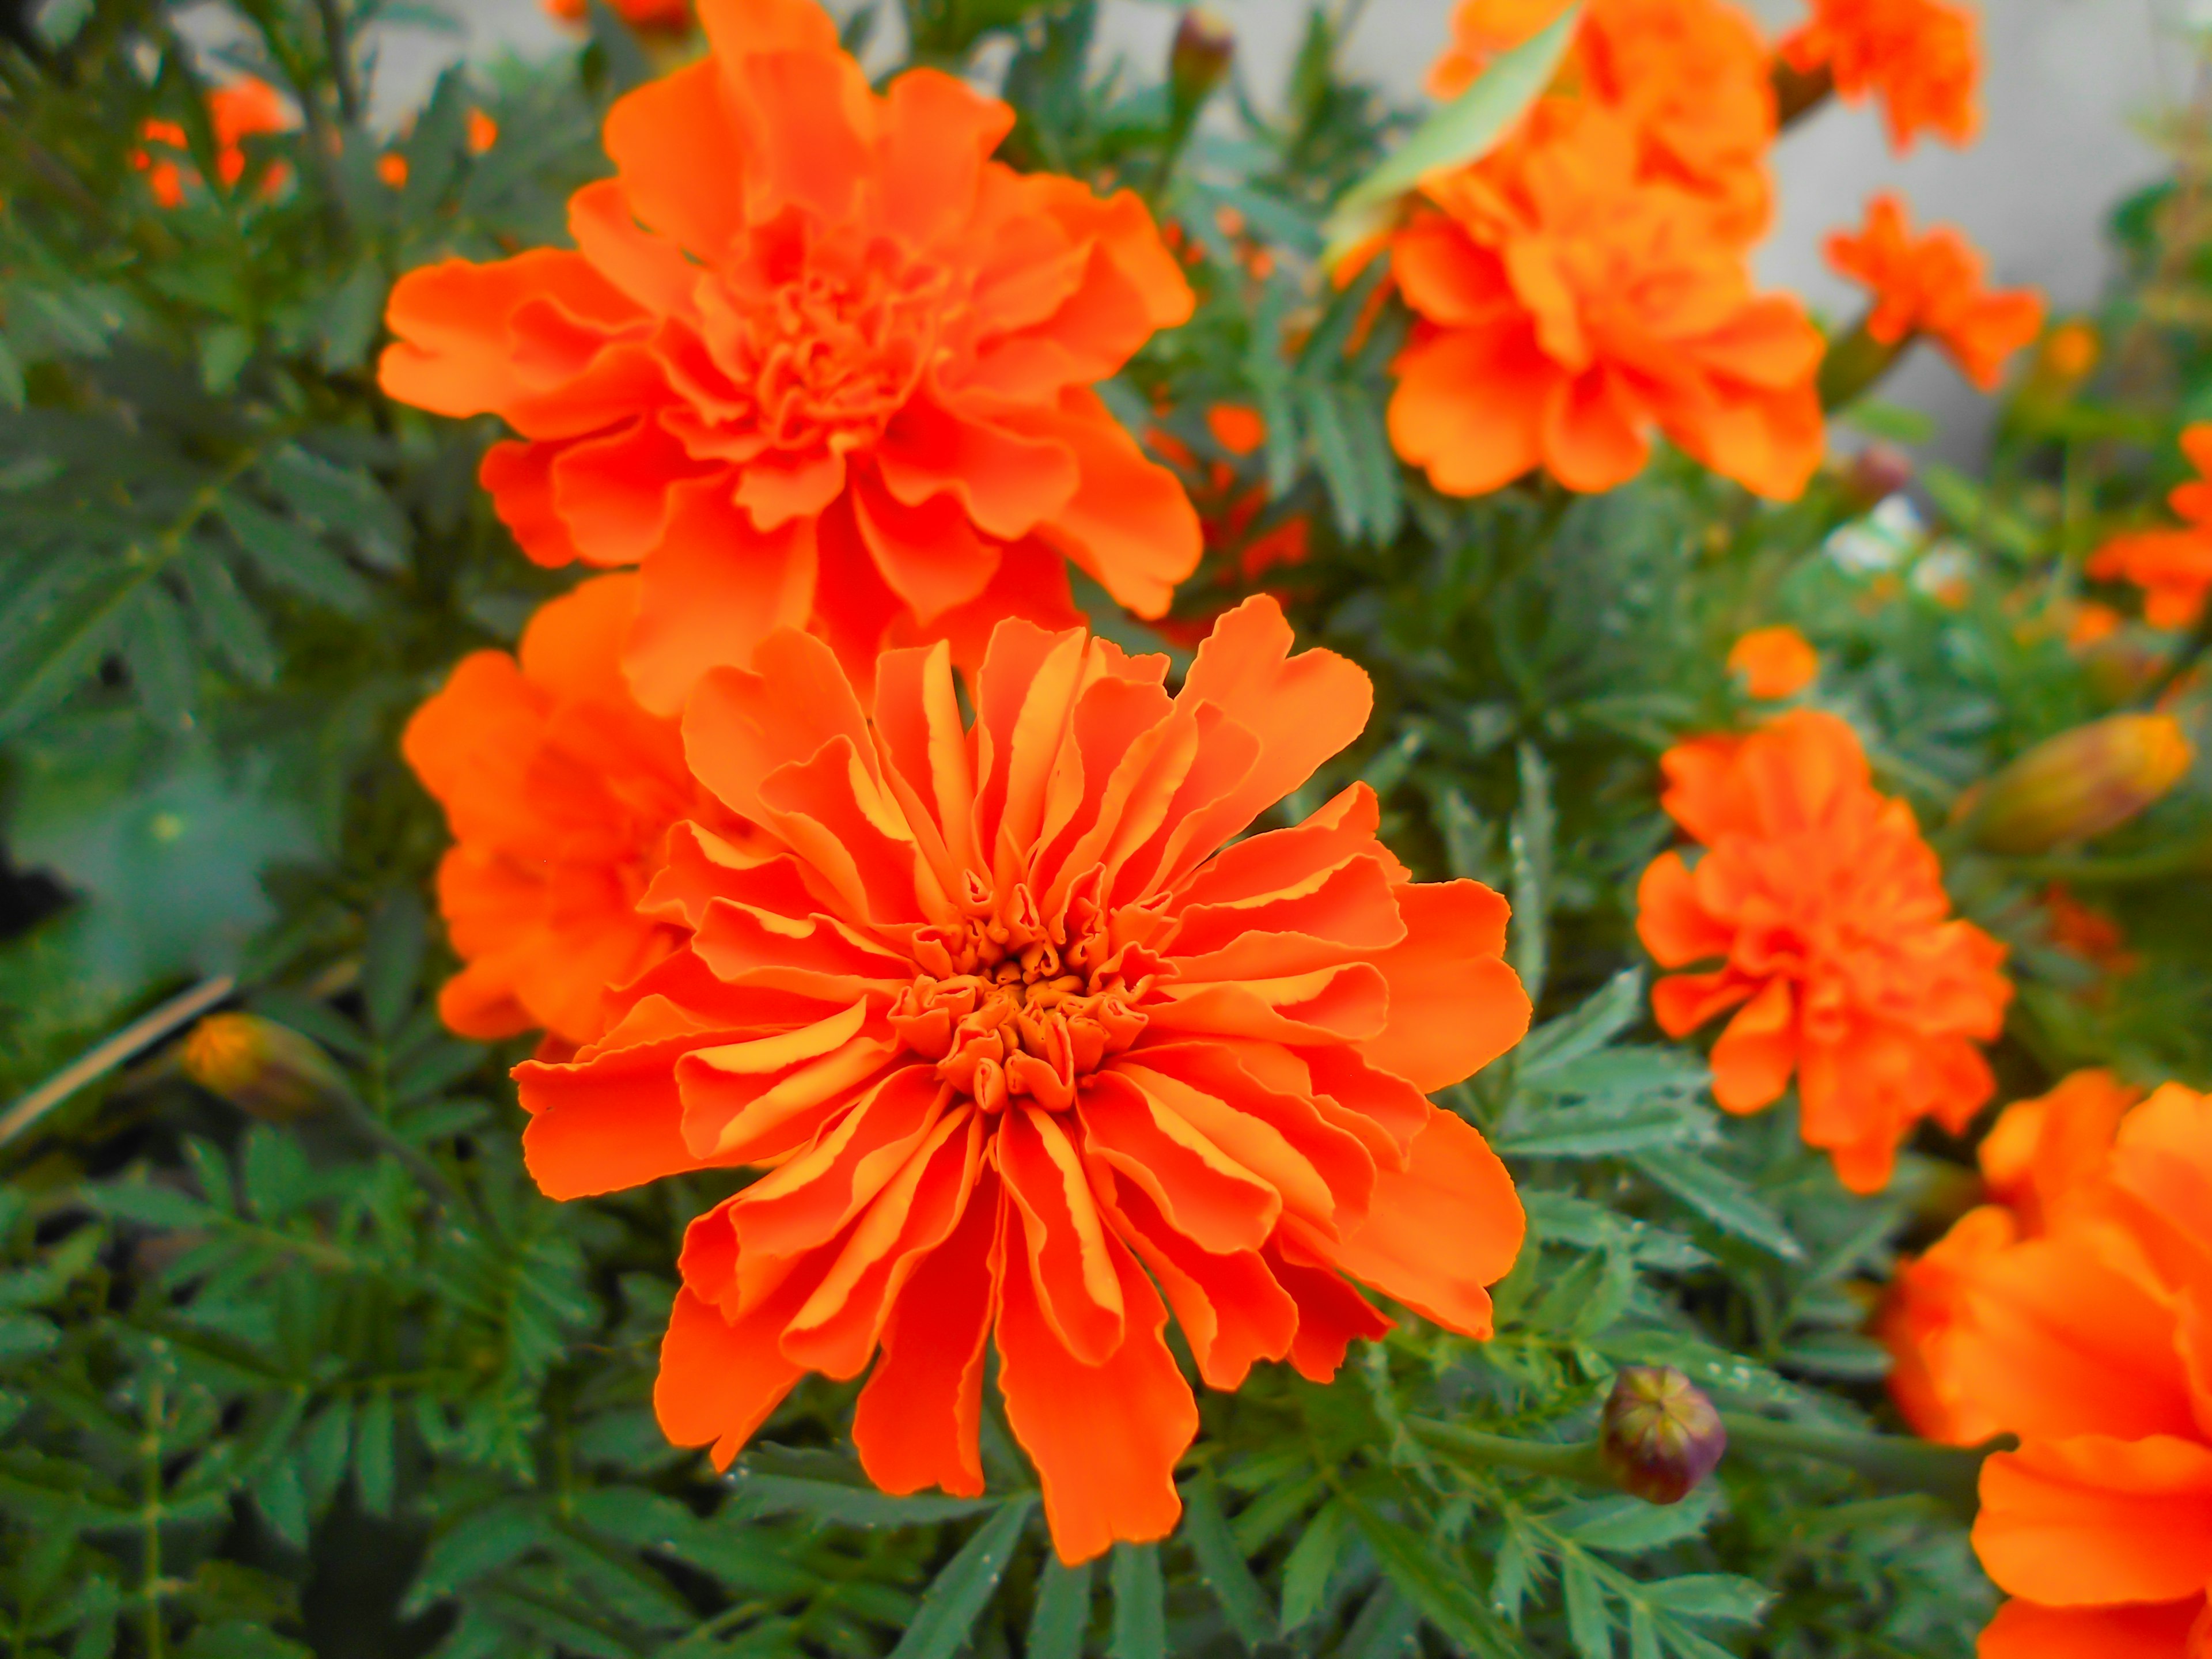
(1855, 361)
(1951, 1474)
(1577, 1462)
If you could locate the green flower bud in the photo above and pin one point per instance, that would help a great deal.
(1660, 1435)
(266, 1070)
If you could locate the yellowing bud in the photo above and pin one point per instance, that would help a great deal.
(1659, 1436)
(1204, 44)
(2082, 783)
(266, 1070)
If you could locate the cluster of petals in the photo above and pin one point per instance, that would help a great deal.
(1773, 663)
(1921, 57)
(2173, 567)
(1025, 1041)
(560, 792)
(816, 361)
(669, 16)
(1933, 287)
(1569, 309)
(2082, 1325)
(1689, 77)
(236, 111)
(1825, 910)
(1244, 540)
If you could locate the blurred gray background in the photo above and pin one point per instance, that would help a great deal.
(2073, 93)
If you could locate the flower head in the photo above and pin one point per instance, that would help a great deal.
(1774, 662)
(1921, 57)
(1838, 949)
(2035, 1157)
(1019, 1032)
(1689, 77)
(817, 360)
(1569, 310)
(1932, 286)
(2087, 1340)
(560, 791)
(236, 110)
(2173, 567)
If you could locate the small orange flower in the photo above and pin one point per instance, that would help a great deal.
(2092, 935)
(1689, 77)
(392, 167)
(666, 16)
(1236, 428)
(236, 111)
(2090, 624)
(484, 132)
(1027, 1039)
(816, 361)
(1921, 57)
(1569, 311)
(2087, 1340)
(560, 791)
(2173, 567)
(1932, 286)
(1774, 662)
(1839, 953)
(2035, 1157)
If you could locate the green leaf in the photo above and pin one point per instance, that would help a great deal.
(351, 318)
(1534, 825)
(1440, 1589)
(1062, 1612)
(23, 1335)
(282, 1502)
(392, 959)
(1140, 1630)
(1589, 1626)
(1598, 1131)
(1629, 1526)
(1461, 132)
(1223, 1566)
(957, 1594)
(12, 390)
(1312, 1559)
(851, 1506)
(158, 651)
(1716, 1597)
(226, 620)
(292, 557)
(371, 1453)
(479, 1543)
(150, 1206)
(342, 501)
(1584, 1030)
(1721, 1199)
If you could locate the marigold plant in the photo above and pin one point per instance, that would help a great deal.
(1569, 312)
(1839, 956)
(1922, 58)
(816, 361)
(1931, 287)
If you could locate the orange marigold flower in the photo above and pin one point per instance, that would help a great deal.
(1689, 77)
(1568, 310)
(1839, 951)
(1774, 662)
(1921, 57)
(816, 361)
(1244, 540)
(484, 132)
(1932, 286)
(236, 111)
(392, 167)
(2036, 1156)
(2092, 935)
(2173, 567)
(1238, 427)
(560, 792)
(2087, 1341)
(1022, 1031)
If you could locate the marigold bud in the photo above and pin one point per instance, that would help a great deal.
(1659, 1436)
(1877, 472)
(1204, 44)
(266, 1070)
(2078, 784)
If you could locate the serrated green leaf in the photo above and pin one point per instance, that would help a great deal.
(1062, 1613)
(1721, 1199)
(1140, 1630)
(1439, 1589)
(226, 619)
(957, 1594)
(1583, 1030)
(1312, 1559)
(1223, 1566)
(1716, 1597)
(373, 1453)
(1588, 1625)
(292, 557)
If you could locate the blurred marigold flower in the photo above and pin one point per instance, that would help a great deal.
(1688, 77)
(1839, 953)
(1568, 311)
(2082, 783)
(1659, 1435)
(2173, 567)
(2038, 1153)
(816, 361)
(1921, 57)
(1774, 662)
(1931, 287)
(2090, 624)
(2087, 1340)
(560, 791)
(2071, 349)
(1020, 1031)
(392, 167)
(1244, 539)
(1236, 428)
(236, 111)
(2089, 934)
(484, 132)
(266, 1070)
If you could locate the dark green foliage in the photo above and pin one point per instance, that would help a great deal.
(350, 1387)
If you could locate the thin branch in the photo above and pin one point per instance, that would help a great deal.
(97, 1061)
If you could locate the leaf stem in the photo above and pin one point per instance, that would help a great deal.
(1950, 1474)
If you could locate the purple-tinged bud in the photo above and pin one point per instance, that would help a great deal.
(1204, 45)
(1660, 1435)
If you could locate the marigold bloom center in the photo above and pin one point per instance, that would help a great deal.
(1011, 1004)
